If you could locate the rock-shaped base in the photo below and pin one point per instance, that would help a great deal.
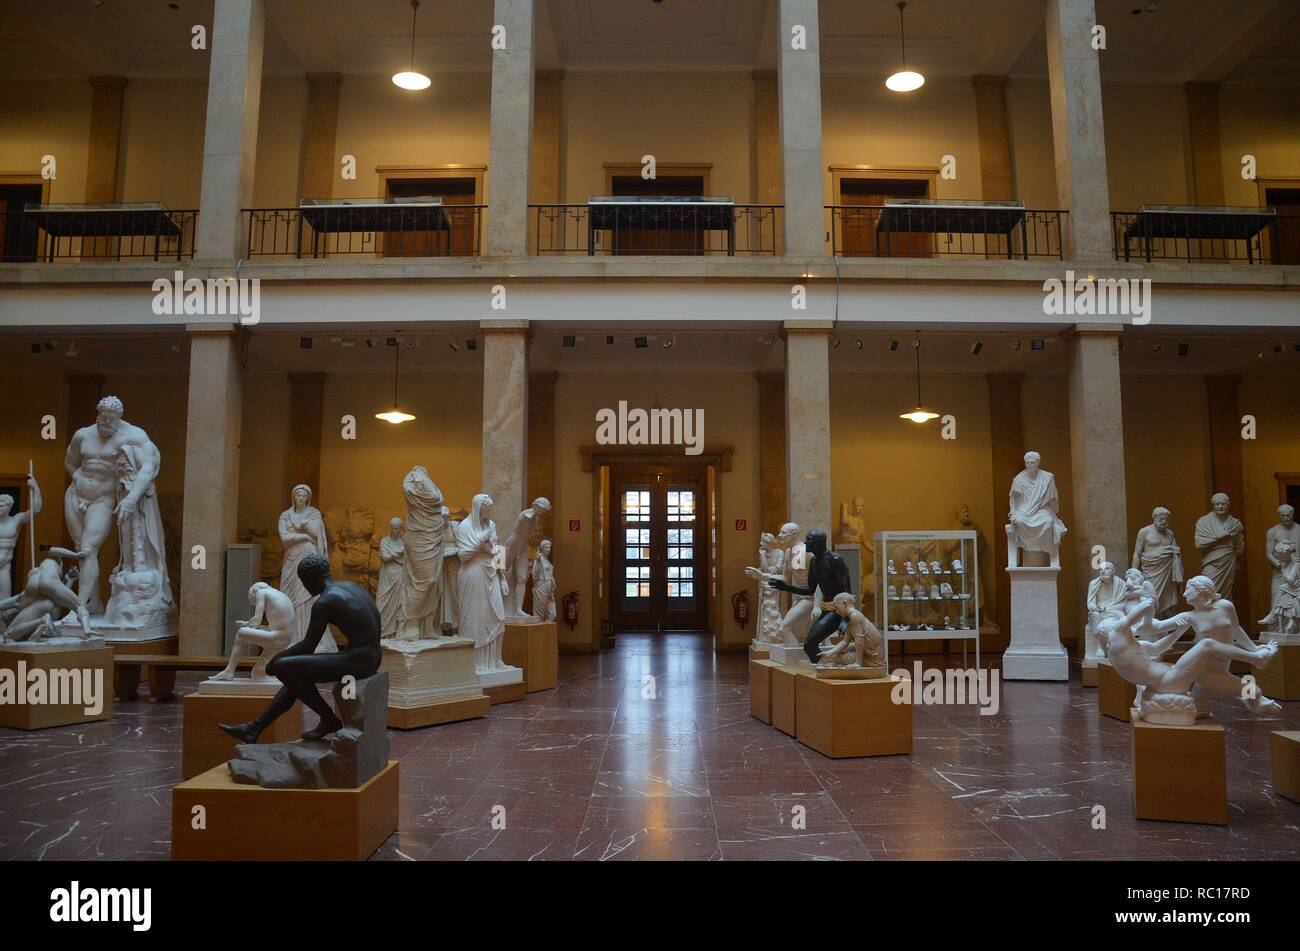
(60, 643)
(344, 761)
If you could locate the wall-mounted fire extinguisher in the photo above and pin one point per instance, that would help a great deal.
(740, 607)
(571, 609)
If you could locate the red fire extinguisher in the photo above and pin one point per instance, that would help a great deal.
(740, 607)
(571, 609)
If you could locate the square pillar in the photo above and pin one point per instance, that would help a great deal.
(800, 87)
(511, 131)
(319, 132)
(105, 144)
(230, 136)
(211, 502)
(505, 419)
(808, 423)
(1078, 132)
(1203, 129)
(994, 128)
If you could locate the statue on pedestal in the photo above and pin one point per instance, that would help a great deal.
(1033, 523)
(420, 616)
(853, 531)
(1286, 530)
(1107, 596)
(861, 645)
(273, 608)
(771, 564)
(1284, 613)
(31, 614)
(302, 531)
(828, 573)
(10, 526)
(793, 570)
(1220, 538)
(543, 573)
(1214, 618)
(1157, 555)
(483, 585)
(528, 528)
(392, 573)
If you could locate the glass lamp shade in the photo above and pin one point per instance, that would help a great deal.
(395, 416)
(409, 79)
(919, 415)
(905, 81)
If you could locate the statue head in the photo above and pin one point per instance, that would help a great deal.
(108, 416)
(844, 603)
(6, 504)
(1286, 515)
(1133, 579)
(1285, 551)
(481, 507)
(1107, 570)
(858, 506)
(1032, 461)
(1200, 592)
(394, 527)
(963, 514)
(1219, 502)
(815, 542)
(767, 541)
(314, 573)
(788, 535)
(1160, 517)
(301, 496)
(545, 547)
(256, 588)
(542, 505)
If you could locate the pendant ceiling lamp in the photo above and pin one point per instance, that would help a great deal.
(920, 414)
(395, 415)
(410, 79)
(904, 80)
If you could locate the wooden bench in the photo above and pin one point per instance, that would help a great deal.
(159, 670)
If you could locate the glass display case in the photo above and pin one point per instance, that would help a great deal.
(927, 587)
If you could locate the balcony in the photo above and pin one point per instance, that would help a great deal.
(379, 228)
(925, 228)
(655, 226)
(47, 233)
(1191, 233)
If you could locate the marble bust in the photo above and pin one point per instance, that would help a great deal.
(1033, 524)
(1220, 538)
(1157, 555)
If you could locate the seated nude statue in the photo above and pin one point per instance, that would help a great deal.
(273, 607)
(860, 645)
(43, 594)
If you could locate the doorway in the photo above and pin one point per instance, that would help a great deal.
(858, 228)
(1286, 233)
(17, 242)
(672, 232)
(659, 549)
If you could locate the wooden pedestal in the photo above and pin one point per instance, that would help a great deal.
(249, 823)
(534, 648)
(505, 693)
(432, 714)
(61, 668)
(1285, 747)
(1280, 680)
(204, 746)
(783, 696)
(1088, 675)
(757, 653)
(1115, 695)
(1180, 773)
(161, 680)
(760, 689)
(840, 718)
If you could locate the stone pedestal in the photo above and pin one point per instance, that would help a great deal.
(431, 682)
(842, 718)
(249, 823)
(757, 652)
(760, 689)
(788, 656)
(1035, 652)
(1285, 747)
(1180, 773)
(1115, 695)
(240, 687)
(1281, 678)
(502, 686)
(534, 647)
(45, 687)
(204, 746)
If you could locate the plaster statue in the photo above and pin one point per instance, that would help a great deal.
(853, 531)
(1214, 618)
(1033, 523)
(945, 591)
(112, 465)
(1284, 613)
(1220, 538)
(141, 592)
(31, 614)
(528, 528)
(1286, 530)
(893, 593)
(483, 585)
(427, 528)
(392, 572)
(907, 592)
(350, 535)
(1157, 555)
(792, 570)
(935, 592)
(1106, 599)
(827, 573)
(892, 569)
(771, 564)
(861, 645)
(302, 531)
(10, 526)
(273, 609)
(543, 573)
(966, 523)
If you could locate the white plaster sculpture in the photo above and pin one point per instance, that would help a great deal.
(483, 585)
(935, 569)
(1220, 538)
(30, 615)
(1283, 617)
(543, 573)
(1107, 594)
(794, 571)
(1213, 617)
(892, 569)
(1157, 555)
(771, 564)
(935, 592)
(10, 526)
(947, 623)
(528, 528)
(425, 541)
(893, 593)
(957, 568)
(1033, 524)
(909, 568)
(923, 566)
(302, 531)
(907, 592)
(272, 627)
(966, 523)
(860, 646)
(392, 576)
(1286, 530)
(945, 591)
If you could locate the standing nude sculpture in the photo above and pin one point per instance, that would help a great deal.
(794, 571)
(528, 528)
(10, 526)
(274, 609)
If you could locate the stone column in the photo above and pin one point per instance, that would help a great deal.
(772, 492)
(808, 423)
(511, 132)
(105, 144)
(1207, 156)
(505, 419)
(1008, 449)
(1227, 476)
(1078, 133)
(547, 172)
(800, 86)
(319, 132)
(767, 138)
(1100, 511)
(211, 501)
(306, 402)
(996, 181)
(230, 137)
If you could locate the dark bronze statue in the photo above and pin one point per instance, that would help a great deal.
(826, 570)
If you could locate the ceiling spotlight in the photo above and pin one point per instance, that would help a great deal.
(859, 344)
(471, 344)
(348, 342)
(836, 343)
(36, 348)
(570, 340)
(893, 345)
(48, 345)
(452, 344)
(1157, 347)
(1183, 349)
(72, 350)
(641, 343)
(410, 79)
(370, 343)
(905, 80)
(1016, 345)
(670, 342)
(1038, 344)
(975, 348)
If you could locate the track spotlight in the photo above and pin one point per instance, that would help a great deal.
(670, 342)
(1157, 347)
(452, 344)
(1183, 349)
(570, 340)
(609, 340)
(893, 345)
(304, 343)
(1016, 345)
(836, 343)
(370, 343)
(641, 343)
(1038, 344)
(975, 348)
(858, 344)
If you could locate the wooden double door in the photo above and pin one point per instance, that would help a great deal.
(659, 557)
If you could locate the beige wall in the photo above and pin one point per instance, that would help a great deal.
(1147, 155)
(1272, 399)
(46, 118)
(26, 397)
(1263, 122)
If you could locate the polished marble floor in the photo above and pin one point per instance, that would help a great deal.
(596, 770)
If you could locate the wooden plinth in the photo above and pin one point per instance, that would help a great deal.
(1088, 675)
(1280, 680)
(1180, 773)
(1285, 746)
(58, 686)
(432, 714)
(760, 689)
(783, 696)
(840, 718)
(849, 673)
(1115, 695)
(126, 677)
(535, 649)
(505, 693)
(757, 653)
(249, 823)
(204, 746)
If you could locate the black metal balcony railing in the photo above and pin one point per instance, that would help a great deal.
(67, 232)
(655, 229)
(379, 230)
(949, 229)
(1206, 234)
